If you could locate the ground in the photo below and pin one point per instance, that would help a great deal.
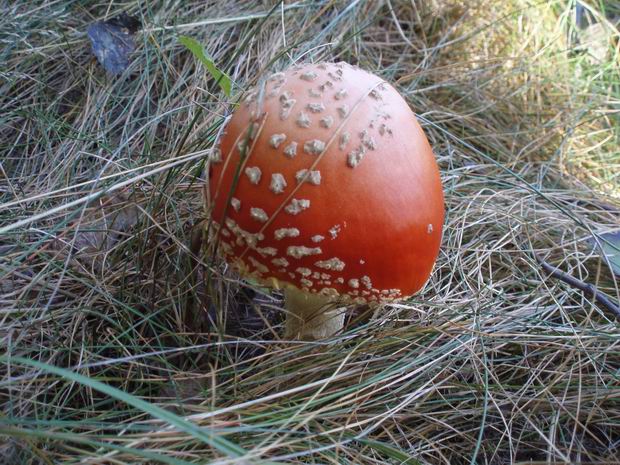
(125, 340)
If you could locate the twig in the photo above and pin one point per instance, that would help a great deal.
(588, 289)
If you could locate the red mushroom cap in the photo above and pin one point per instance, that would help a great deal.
(325, 181)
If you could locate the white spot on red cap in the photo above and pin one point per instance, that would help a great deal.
(280, 261)
(355, 156)
(242, 146)
(235, 203)
(253, 173)
(317, 238)
(254, 127)
(216, 155)
(287, 103)
(308, 76)
(276, 139)
(297, 206)
(314, 147)
(375, 94)
(327, 122)
(334, 230)
(259, 214)
(310, 176)
(278, 183)
(368, 140)
(335, 77)
(332, 264)
(291, 150)
(329, 292)
(429, 228)
(316, 107)
(281, 233)
(299, 251)
(267, 251)
(342, 93)
(303, 120)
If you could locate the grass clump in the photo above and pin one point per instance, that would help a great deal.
(122, 343)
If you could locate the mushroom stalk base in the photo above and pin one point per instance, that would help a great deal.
(311, 316)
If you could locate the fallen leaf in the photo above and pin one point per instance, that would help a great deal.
(610, 243)
(100, 230)
(591, 36)
(112, 41)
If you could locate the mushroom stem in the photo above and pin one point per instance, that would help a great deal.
(311, 316)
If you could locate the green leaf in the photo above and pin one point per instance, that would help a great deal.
(611, 248)
(199, 52)
(201, 433)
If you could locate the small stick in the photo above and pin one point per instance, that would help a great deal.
(588, 289)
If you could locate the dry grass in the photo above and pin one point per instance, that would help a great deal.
(169, 358)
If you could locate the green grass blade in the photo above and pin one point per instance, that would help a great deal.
(76, 438)
(223, 80)
(391, 452)
(202, 434)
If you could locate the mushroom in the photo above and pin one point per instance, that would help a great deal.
(325, 186)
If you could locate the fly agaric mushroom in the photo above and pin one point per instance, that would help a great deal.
(325, 186)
